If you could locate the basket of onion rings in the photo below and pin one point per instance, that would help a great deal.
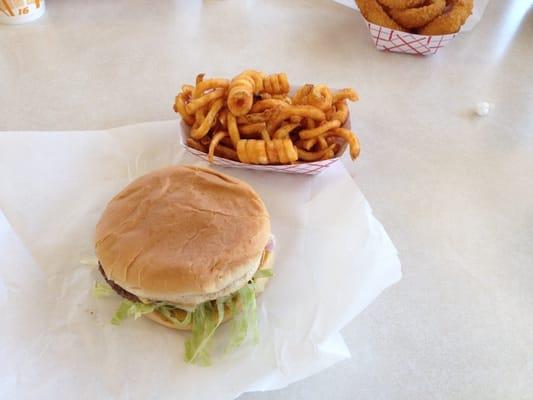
(414, 26)
(257, 121)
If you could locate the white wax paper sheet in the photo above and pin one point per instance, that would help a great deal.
(333, 258)
(471, 22)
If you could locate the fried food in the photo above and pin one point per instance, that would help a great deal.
(276, 84)
(320, 97)
(455, 15)
(345, 94)
(267, 104)
(252, 119)
(256, 151)
(325, 127)
(416, 17)
(207, 123)
(241, 93)
(374, 12)
(289, 111)
(340, 112)
(204, 100)
(233, 129)
(401, 4)
(350, 138)
(179, 107)
(313, 155)
(285, 130)
(217, 137)
(203, 86)
(195, 144)
(424, 17)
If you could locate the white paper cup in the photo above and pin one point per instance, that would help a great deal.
(14, 12)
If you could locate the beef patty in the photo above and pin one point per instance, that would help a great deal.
(120, 291)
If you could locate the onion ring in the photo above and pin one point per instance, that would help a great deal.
(372, 11)
(401, 4)
(452, 19)
(416, 17)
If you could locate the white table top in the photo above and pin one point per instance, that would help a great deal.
(453, 190)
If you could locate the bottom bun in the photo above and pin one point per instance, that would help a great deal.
(156, 316)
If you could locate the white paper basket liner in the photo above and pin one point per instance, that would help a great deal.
(333, 258)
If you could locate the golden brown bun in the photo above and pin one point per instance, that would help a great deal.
(259, 288)
(182, 234)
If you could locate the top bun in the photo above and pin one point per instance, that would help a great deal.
(182, 234)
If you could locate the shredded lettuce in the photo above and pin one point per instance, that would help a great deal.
(166, 310)
(263, 273)
(101, 290)
(122, 313)
(246, 321)
(128, 308)
(205, 319)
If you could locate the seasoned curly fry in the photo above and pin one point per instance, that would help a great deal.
(252, 129)
(350, 137)
(203, 129)
(313, 155)
(260, 151)
(301, 94)
(179, 106)
(265, 136)
(195, 144)
(272, 154)
(233, 129)
(208, 85)
(217, 137)
(326, 126)
(276, 84)
(320, 96)
(252, 118)
(241, 152)
(287, 112)
(306, 144)
(267, 104)
(241, 91)
(187, 90)
(200, 102)
(223, 117)
(226, 152)
(280, 150)
(322, 143)
(341, 112)
(285, 130)
(345, 94)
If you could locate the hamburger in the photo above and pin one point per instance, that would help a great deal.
(188, 248)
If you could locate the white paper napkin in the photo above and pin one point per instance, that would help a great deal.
(332, 259)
